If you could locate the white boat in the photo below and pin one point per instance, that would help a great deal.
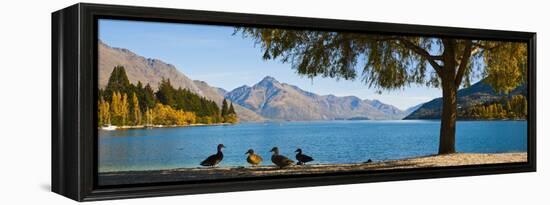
(108, 127)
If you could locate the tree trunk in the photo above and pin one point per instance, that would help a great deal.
(448, 118)
(448, 110)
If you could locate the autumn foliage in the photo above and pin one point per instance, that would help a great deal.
(125, 104)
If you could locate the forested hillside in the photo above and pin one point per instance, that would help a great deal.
(124, 104)
(480, 101)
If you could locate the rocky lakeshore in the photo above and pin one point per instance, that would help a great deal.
(192, 174)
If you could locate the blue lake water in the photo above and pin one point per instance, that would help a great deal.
(325, 141)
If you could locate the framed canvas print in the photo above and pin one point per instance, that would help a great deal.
(155, 101)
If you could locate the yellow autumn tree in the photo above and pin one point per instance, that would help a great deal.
(136, 112)
(184, 118)
(104, 113)
(166, 115)
(119, 109)
(125, 109)
(149, 117)
(115, 108)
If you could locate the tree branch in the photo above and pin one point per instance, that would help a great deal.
(420, 51)
(463, 62)
(438, 57)
(410, 45)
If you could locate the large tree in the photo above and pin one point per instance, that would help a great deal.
(224, 108)
(389, 62)
(118, 82)
(166, 93)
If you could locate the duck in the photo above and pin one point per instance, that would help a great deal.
(252, 158)
(214, 159)
(280, 160)
(302, 158)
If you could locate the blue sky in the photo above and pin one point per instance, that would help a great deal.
(214, 55)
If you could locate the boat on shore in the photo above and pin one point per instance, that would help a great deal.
(109, 127)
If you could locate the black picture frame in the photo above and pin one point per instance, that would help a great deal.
(74, 93)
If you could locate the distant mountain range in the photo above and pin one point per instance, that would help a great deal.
(275, 100)
(478, 93)
(410, 110)
(268, 99)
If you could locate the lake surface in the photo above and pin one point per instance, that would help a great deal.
(325, 141)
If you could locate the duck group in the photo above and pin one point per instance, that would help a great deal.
(254, 159)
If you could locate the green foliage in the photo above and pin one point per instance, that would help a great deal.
(229, 115)
(165, 93)
(148, 97)
(118, 82)
(231, 109)
(224, 108)
(392, 62)
(186, 100)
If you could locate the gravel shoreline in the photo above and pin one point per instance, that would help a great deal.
(192, 174)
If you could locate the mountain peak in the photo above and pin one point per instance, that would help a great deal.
(268, 81)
